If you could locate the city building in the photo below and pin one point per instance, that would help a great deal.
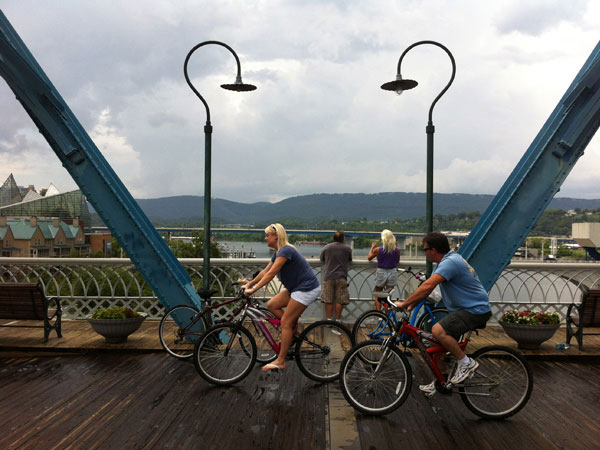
(46, 223)
(33, 237)
(66, 207)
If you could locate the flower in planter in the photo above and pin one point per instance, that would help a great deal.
(115, 312)
(530, 317)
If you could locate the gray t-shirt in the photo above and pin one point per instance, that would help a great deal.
(337, 257)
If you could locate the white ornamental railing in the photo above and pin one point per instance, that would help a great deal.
(86, 284)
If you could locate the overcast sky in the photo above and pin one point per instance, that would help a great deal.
(319, 122)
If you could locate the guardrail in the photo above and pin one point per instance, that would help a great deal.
(86, 284)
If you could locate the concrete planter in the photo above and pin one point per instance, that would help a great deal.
(116, 331)
(529, 337)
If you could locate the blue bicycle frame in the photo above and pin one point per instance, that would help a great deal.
(380, 332)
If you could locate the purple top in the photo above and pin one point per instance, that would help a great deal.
(387, 260)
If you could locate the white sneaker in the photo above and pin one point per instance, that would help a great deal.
(464, 371)
(428, 389)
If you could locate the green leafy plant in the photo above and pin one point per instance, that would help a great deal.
(115, 312)
(530, 317)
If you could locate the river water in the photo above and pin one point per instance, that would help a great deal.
(307, 250)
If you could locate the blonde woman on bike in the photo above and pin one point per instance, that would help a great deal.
(388, 257)
(301, 285)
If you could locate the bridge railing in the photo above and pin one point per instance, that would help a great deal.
(86, 284)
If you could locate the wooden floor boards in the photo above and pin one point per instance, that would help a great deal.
(152, 401)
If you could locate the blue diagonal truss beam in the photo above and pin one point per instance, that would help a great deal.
(537, 177)
(92, 173)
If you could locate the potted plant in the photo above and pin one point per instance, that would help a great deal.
(529, 328)
(116, 323)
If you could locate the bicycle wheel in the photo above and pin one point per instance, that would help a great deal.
(176, 332)
(371, 325)
(321, 348)
(223, 355)
(426, 322)
(375, 388)
(501, 386)
(265, 353)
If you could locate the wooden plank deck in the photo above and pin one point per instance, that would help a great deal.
(152, 401)
(79, 337)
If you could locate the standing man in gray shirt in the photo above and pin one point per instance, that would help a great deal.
(336, 258)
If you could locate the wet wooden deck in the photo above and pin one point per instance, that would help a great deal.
(78, 392)
(152, 401)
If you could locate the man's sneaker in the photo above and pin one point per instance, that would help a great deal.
(428, 389)
(464, 371)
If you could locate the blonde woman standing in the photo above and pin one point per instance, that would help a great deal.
(388, 257)
(301, 285)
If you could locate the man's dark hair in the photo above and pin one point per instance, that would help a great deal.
(438, 241)
(338, 236)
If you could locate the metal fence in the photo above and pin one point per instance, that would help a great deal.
(86, 284)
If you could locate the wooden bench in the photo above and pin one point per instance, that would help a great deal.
(27, 301)
(586, 314)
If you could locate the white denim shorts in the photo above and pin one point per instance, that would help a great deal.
(386, 277)
(306, 297)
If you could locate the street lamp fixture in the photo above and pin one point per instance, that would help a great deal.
(237, 86)
(400, 85)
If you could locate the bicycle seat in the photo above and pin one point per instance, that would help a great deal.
(383, 294)
(207, 294)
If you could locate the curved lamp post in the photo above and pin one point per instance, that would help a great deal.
(237, 86)
(400, 85)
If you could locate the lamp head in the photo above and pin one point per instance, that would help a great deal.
(239, 86)
(399, 85)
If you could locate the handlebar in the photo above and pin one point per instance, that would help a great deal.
(419, 275)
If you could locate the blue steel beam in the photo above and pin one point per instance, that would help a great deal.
(101, 185)
(537, 177)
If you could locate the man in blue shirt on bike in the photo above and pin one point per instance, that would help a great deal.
(465, 297)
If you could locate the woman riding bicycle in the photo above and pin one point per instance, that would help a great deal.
(388, 257)
(301, 285)
(465, 297)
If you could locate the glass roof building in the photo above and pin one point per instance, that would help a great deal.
(66, 207)
(10, 192)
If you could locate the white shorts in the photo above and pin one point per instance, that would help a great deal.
(306, 297)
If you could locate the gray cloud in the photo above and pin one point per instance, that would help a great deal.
(319, 121)
(534, 17)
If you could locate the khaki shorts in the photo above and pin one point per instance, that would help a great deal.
(335, 291)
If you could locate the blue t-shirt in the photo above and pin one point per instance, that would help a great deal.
(296, 274)
(462, 288)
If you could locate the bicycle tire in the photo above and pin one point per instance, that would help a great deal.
(176, 340)
(265, 353)
(219, 368)
(370, 392)
(425, 323)
(321, 348)
(371, 325)
(504, 372)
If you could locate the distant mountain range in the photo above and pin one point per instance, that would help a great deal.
(319, 207)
